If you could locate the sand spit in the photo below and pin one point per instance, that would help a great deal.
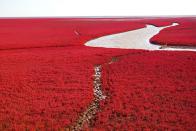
(135, 39)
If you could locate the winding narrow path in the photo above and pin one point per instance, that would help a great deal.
(92, 109)
(89, 114)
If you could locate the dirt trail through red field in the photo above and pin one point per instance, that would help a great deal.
(87, 117)
(46, 80)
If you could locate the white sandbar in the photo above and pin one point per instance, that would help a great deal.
(134, 39)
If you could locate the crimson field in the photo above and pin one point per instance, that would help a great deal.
(47, 76)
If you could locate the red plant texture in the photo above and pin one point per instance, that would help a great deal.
(183, 34)
(46, 75)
